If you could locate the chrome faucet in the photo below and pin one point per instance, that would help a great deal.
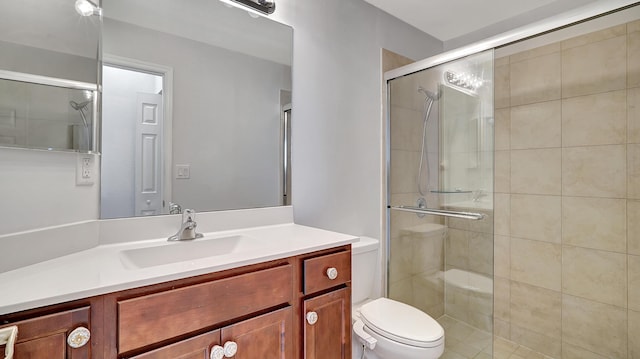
(187, 230)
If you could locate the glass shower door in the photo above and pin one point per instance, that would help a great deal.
(440, 197)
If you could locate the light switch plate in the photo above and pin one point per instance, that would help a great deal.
(183, 171)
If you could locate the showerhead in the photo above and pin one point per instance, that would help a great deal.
(429, 94)
(79, 106)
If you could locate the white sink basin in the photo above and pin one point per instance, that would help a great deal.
(185, 251)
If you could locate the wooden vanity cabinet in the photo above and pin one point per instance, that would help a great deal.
(198, 347)
(154, 318)
(262, 308)
(266, 336)
(330, 336)
(326, 306)
(46, 336)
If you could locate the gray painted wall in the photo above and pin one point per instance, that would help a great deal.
(337, 127)
(337, 155)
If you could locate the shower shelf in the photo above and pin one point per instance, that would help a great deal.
(451, 191)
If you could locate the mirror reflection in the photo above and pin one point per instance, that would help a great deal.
(193, 114)
(45, 117)
(48, 75)
(466, 135)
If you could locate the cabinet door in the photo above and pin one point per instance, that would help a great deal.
(154, 318)
(198, 347)
(327, 326)
(46, 336)
(267, 336)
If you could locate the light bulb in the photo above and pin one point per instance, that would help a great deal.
(86, 8)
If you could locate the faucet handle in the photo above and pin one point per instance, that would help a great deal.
(174, 208)
(188, 215)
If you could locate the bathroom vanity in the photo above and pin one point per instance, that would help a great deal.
(295, 306)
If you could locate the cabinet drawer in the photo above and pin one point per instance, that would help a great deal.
(316, 277)
(153, 318)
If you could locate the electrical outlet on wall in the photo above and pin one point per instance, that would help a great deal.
(85, 169)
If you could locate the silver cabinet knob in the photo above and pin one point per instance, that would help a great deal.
(217, 352)
(312, 318)
(230, 349)
(332, 273)
(79, 337)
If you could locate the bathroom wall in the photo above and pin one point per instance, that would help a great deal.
(336, 137)
(50, 41)
(337, 129)
(40, 61)
(567, 203)
(38, 189)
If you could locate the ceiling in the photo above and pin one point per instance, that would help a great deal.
(450, 19)
(210, 22)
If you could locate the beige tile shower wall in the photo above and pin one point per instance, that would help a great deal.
(567, 242)
(469, 247)
(417, 245)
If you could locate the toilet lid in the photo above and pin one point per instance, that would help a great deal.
(401, 322)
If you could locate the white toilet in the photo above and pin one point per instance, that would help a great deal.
(386, 328)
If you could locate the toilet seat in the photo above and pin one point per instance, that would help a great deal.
(401, 323)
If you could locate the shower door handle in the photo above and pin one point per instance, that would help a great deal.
(439, 212)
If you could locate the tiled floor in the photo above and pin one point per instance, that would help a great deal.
(463, 341)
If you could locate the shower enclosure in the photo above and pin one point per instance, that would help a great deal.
(440, 196)
(552, 269)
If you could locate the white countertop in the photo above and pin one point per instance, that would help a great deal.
(102, 270)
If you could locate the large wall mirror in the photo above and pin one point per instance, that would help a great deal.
(48, 75)
(196, 102)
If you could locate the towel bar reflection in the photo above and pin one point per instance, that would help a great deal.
(439, 212)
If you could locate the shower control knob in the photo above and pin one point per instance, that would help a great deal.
(332, 273)
(217, 352)
(312, 318)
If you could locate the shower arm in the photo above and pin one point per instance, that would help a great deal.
(439, 212)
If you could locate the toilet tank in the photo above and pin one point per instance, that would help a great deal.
(365, 271)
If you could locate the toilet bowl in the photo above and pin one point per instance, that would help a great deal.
(382, 327)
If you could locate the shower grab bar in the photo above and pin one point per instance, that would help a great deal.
(439, 212)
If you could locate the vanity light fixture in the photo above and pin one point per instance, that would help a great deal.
(262, 7)
(469, 82)
(87, 8)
